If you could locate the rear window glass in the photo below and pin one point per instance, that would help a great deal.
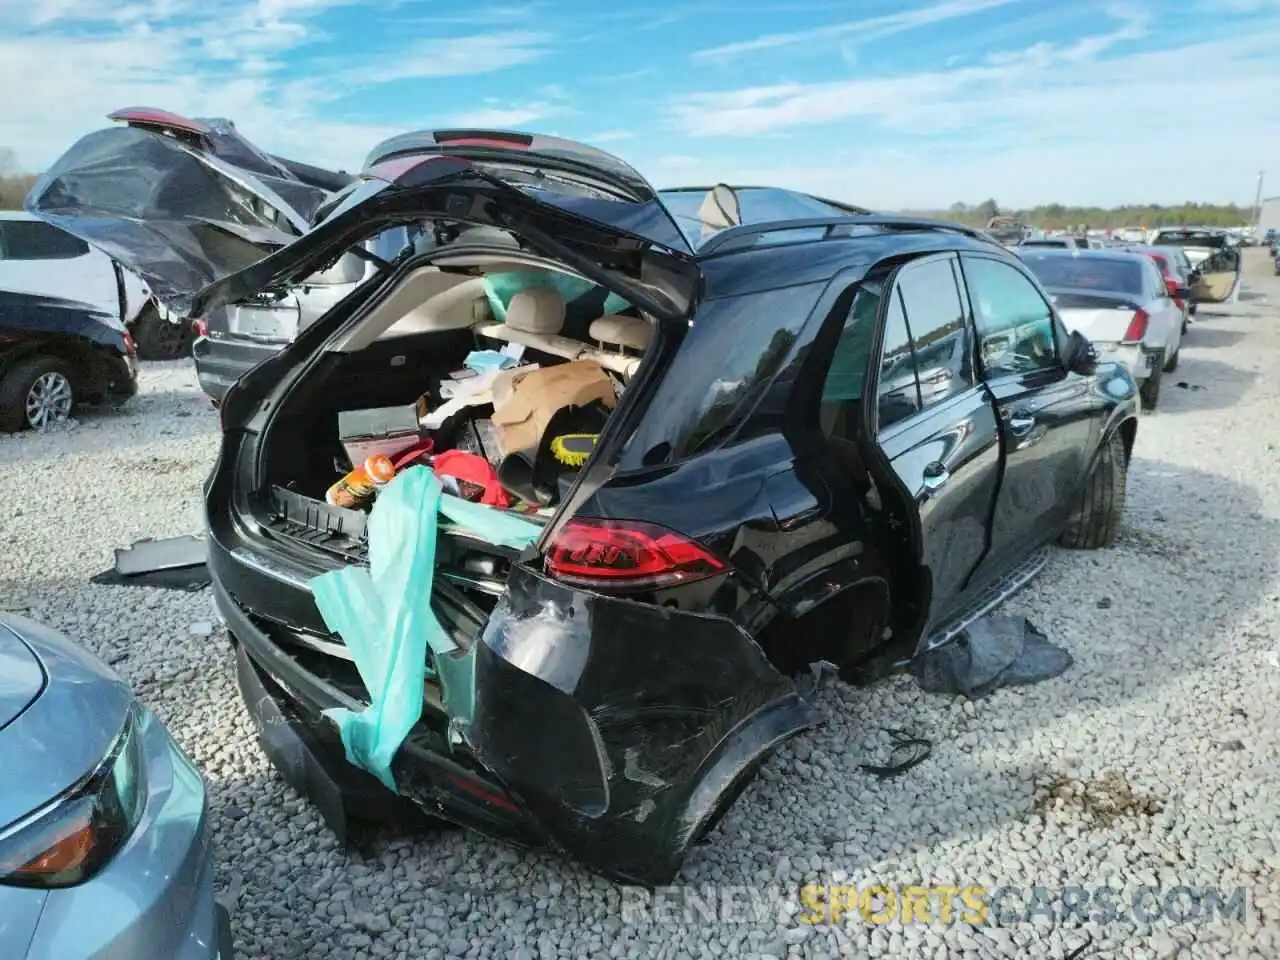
(33, 240)
(1045, 243)
(724, 367)
(1213, 241)
(1088, 273)
(757, 205)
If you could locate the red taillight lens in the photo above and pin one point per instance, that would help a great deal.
(200, 327)
(1137, 327)
(130, 347)
(627, 554)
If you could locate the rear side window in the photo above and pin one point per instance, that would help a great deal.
(34, 240)
(939, 335)
(1155, 280)
(735, 347)
(898, 394)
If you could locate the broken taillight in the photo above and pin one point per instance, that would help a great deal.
(627, 555)
(1137, 327)
(130, 348)
(200, 327)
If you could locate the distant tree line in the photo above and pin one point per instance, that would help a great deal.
(1057, 216)
(14, 184)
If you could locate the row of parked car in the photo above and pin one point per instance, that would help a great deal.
(815, 434)
(1135, 301)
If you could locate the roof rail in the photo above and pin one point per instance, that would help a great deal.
(739, 238)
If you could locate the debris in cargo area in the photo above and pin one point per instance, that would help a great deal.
(383, 613)
(176, 563)
(525, 401)
(381, 431)
(358, 487)
(539, 475)
(993, 652)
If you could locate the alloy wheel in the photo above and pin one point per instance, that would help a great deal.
(49, 399)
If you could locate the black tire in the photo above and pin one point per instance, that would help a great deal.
(1172, 363)
(1095, 520)
(15, 387)
(160, 339)
(1149, 392)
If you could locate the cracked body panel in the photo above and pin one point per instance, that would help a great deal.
(620, 726)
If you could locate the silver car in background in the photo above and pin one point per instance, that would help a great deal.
(104, 848)
(1118, 300)
(234, 339)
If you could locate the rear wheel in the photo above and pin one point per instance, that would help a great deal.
(1095, 520)
(1149, 392)
(1172, 363)
(35, 393)
(158, 338)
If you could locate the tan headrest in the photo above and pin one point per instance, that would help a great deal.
(621, 331)
(536, 310)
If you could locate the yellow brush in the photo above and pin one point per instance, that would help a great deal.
(573, 449)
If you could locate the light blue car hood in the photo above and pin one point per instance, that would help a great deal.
(60, 710)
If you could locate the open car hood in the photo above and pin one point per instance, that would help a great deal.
(205, 234)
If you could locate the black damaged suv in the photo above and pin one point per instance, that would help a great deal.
(837, 436)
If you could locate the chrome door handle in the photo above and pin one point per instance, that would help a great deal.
(936, 476)
(1021, 426)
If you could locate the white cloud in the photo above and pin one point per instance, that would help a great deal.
(1079, 122)
(455, 57)
(610, 136)
(221, 58)
(513, 115)
(869, 29)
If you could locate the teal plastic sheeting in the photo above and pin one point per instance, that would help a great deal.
(384, 614)
(501, 287)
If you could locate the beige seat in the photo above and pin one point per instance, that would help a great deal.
(630, 332)
(535, 318)
(536, 310)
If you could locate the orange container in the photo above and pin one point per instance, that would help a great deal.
(360, 486)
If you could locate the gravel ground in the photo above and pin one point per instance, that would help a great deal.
(1151, 763)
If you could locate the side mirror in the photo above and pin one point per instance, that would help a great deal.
(1081, 357)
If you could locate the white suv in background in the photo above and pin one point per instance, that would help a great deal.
(37, 259)
(40, 260)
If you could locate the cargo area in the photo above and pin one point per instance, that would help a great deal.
(497, 374)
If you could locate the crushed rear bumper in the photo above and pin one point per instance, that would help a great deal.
(612, 730)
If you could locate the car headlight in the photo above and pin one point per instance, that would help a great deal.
(75, 835)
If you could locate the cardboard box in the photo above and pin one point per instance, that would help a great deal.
(381, 430)
(525, 400)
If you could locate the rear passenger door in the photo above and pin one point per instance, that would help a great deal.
(936, 425)
(1047, 414)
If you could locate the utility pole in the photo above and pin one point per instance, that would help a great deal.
(1257, 202)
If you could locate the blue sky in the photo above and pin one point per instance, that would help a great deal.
(887, 103)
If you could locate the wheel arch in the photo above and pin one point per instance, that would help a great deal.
(80, 358)
(838, 615)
